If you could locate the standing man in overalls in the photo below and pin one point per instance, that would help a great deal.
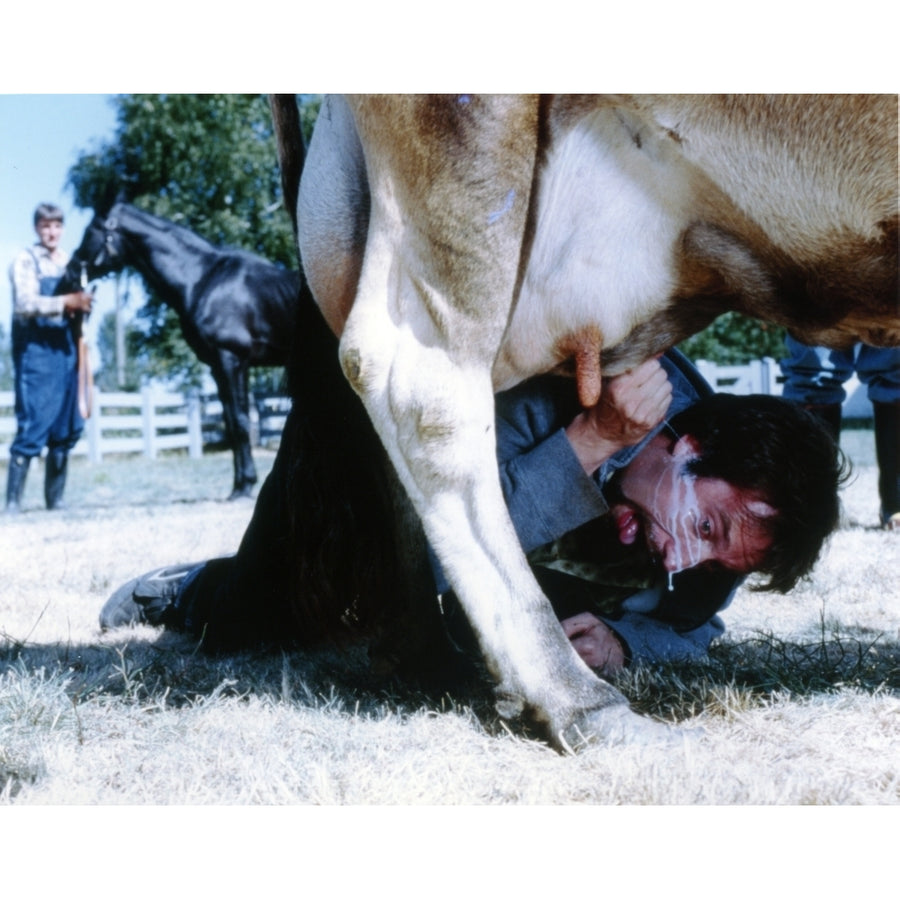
(45, 356)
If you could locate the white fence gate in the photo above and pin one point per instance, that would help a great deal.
(154, 420)
(763, 376)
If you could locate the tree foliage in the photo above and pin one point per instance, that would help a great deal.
(208, 162)
(734, 339)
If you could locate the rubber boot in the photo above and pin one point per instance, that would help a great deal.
(830, 415)
(55, 478)
(15, 482)
(887, 452)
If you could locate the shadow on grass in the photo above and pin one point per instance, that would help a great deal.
(146, 668)
(753, 671)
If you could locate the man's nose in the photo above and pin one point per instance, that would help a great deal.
(671, 560)
(679, 553)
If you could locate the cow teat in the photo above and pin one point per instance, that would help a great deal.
(584, 346)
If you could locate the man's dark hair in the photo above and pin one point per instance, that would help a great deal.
(786, 457)
(49, 211)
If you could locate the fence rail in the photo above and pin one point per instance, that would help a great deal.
(763, 376)
(153, 420)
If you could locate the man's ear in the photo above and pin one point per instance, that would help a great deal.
(687, 446)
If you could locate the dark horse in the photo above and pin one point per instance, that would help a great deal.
(236, 309)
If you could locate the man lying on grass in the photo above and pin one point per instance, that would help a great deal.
(641, 516)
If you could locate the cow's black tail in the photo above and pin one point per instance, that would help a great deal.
(291, 148)
(357, 560)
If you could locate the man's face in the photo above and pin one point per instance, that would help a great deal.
(687, 521)
(49, 231)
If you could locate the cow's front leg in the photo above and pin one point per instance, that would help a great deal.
(435, 416)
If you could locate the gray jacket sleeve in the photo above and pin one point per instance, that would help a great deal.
(548, 492)
(546, 489)
(649, 640)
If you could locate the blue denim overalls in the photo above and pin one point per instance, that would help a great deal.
(46, 362)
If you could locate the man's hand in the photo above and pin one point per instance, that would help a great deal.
(80, 301)
(595, 642)
(631, 406)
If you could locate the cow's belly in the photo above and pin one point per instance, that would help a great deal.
(333, 212)
(613, 203)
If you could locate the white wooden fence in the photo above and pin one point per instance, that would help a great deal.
(763, 376)
(153, 420)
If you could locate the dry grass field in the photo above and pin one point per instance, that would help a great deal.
(799, 704)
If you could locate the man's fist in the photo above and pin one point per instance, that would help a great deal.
(631, 406)
(595, 642)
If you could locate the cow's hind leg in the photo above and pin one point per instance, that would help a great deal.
(435, 416)
(446, 216)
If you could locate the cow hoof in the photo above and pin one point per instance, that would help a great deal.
(616, 725)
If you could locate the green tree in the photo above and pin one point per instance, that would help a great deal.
(734, 339)
(208, 162)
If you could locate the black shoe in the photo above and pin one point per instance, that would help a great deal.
(55, 478)
(145, 600)
(15, 484)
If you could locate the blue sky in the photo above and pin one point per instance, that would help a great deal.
(41, 136)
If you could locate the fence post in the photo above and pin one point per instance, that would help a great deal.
(94, 430)
(756, 377)
(194, 426)
(771, 371)
(148, 423)
(708, 371)
(255, 424)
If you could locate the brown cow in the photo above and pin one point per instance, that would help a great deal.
(459, 244)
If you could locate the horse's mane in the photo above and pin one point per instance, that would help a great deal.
(184, 234)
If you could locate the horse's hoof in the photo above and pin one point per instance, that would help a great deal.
(241, 493)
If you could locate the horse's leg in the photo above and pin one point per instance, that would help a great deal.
(230, 374)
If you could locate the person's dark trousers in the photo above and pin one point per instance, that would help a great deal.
(15, 482)
(887, 452)
(830, 414)
(55, 478)
(46, 385)
(242, 600)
